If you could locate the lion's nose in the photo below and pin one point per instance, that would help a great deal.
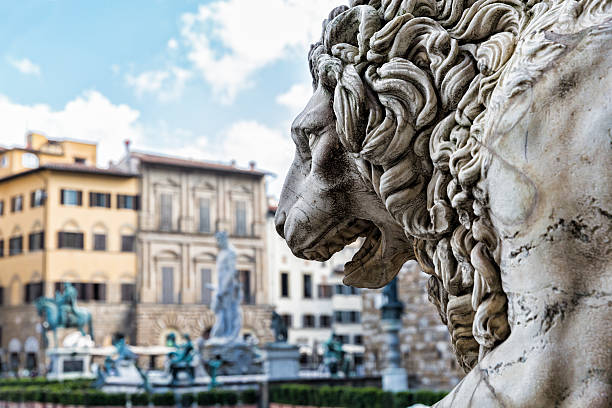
(279, 221)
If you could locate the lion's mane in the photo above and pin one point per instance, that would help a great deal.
(412, 82)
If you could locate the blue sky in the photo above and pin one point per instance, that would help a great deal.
(215, 80)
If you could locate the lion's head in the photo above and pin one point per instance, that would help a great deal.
(389, 148)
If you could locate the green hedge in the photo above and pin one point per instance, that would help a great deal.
(349, 397)
(165, 399)
(221, 397)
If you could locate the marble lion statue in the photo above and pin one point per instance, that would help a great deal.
(474, 137)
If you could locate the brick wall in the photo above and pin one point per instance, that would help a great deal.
(425, 342)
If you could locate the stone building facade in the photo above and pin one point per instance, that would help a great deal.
(425, 344)
(184, 202)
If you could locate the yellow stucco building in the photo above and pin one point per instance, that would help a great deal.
(62, 219)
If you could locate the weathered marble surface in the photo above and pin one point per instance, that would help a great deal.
(474, 136)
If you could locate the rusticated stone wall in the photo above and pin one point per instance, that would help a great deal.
(20, 323)
(425, 344)
(154, 321)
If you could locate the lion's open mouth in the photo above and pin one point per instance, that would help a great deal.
(339, 236)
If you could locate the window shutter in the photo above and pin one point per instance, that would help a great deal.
(33, 199)
(137, 202)
(79, 198)
(62, 196)
(60, 239)
(91, 199)
(108, 200)
(102, 293)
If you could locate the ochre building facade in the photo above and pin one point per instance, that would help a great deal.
(63, 220)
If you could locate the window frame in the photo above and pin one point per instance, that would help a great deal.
(307, 294)
(31, 237)
(39, 201)
(94, 202)
(64, 195)
(19, 239)
(61, 236)
(285, 288)
(95, 247)
(132, 247)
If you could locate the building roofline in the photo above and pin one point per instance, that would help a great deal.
(172, 161)
(71, 168)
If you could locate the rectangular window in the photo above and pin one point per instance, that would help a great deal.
(33, 291)
(167, 285)
(325, 291)
(128, 243)
(128, 202)
(284, 284)
(166, 212)
(308, 321)
(1, 248)
(82, 292)
(100, 200)
(99, 241)
(98, 291)
(307, 286)
(15, 246)
(17, 204)
(36, 241)
(79, 160)
(325, 321)
(70, 240)
(247, 295)
(1, 207)
(338, 316)
(1, 297)
(206, 292)
(128, 292)
(288, 320)
(355, 317)
(358, 339)
(37, 198)
(344, 338)
(204, 227)
(71, 197)
(241, 222)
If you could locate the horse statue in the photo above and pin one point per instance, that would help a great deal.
(63, 312)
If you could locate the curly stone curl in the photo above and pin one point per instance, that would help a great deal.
(412, 80)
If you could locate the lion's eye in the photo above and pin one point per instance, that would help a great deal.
(312, 139)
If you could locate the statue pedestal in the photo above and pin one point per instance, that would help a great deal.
(394, 379)
(282, 361)
(239, 358)
(127, 376)
(69, 363)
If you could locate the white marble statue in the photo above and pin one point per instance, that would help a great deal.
(228, 295)
(473, 136)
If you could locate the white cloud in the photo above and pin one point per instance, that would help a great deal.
(270, 148)
(25, 66)
(228, 41)
(89, 117)
(172, 44)
(165, 84)
(295, 98)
